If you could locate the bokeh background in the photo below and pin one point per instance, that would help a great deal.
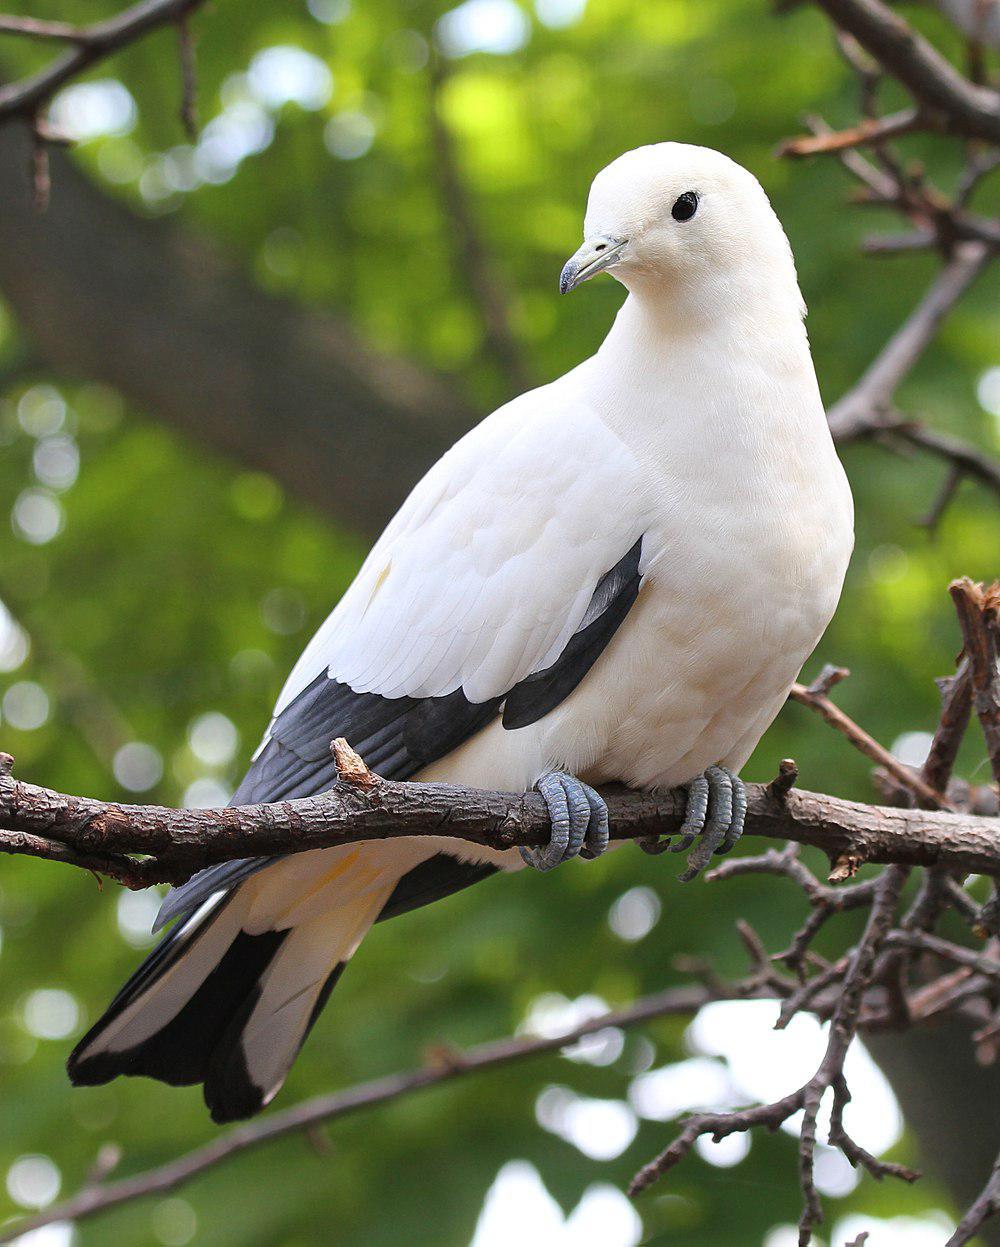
(155, 592)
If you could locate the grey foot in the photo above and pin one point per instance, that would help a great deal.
(717, 808)
(579, 821)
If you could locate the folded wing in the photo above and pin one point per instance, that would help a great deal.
(492, 592)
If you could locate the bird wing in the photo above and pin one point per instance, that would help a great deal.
(493, 591)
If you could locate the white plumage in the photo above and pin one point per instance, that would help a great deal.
(490, 564)
(698, 429)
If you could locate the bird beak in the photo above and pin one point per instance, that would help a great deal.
(596, 255)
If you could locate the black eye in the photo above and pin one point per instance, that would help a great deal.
(685, 206)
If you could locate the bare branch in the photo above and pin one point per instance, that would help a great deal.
(871, 130)
(41, 178)
(451, 1064)
(189, 77)
(34, 28)
(830, 1074)
(862, 411)
(178, 842)
(824, 900)
(956, 705)
(91, 44)
(870, 747)
(964, 460)
(932, 80)
(922, 941)
(986, 1206)
(979, 618)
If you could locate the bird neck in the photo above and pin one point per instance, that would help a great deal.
(743, 315)
(737, 370)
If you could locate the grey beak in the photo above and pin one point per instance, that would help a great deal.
(596, 255)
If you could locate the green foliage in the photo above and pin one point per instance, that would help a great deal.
(180, 585)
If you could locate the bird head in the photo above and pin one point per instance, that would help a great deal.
(671, 215)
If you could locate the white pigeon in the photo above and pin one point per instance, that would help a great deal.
(616, 576)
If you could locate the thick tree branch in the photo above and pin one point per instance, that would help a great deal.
(852, 993)
(178, 842)
(932, 80)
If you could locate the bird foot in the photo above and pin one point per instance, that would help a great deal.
(579, 821)
(717, 809)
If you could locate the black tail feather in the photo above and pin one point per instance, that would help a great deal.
(230, 1092)
(181, 1052)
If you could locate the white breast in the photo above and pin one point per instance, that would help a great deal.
(743, 569)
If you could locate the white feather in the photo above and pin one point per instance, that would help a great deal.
(489, 566)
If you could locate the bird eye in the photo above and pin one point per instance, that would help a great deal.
(685, 206)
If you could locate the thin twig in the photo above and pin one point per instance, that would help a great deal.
(963, 459)
(924, 942)
(843, 1027)
(873, 130)
(870, 747)
(35, 28)
(41, 178)
(979, 618)
(189, 77)
(987, 1205)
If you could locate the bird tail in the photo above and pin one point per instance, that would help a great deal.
(229, 996)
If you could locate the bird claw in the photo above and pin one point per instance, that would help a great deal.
(579, 820)
(717, 808)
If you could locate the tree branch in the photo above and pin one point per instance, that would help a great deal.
(869, 130)
(863, 410)
(178, 842)
(829, 1075)
(966, 460)
(446, 1066)
(969, 242)
(978, 616)
(91, 44)
(33, 28)
(815, 697)
(932, 80)
(986, 1206)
